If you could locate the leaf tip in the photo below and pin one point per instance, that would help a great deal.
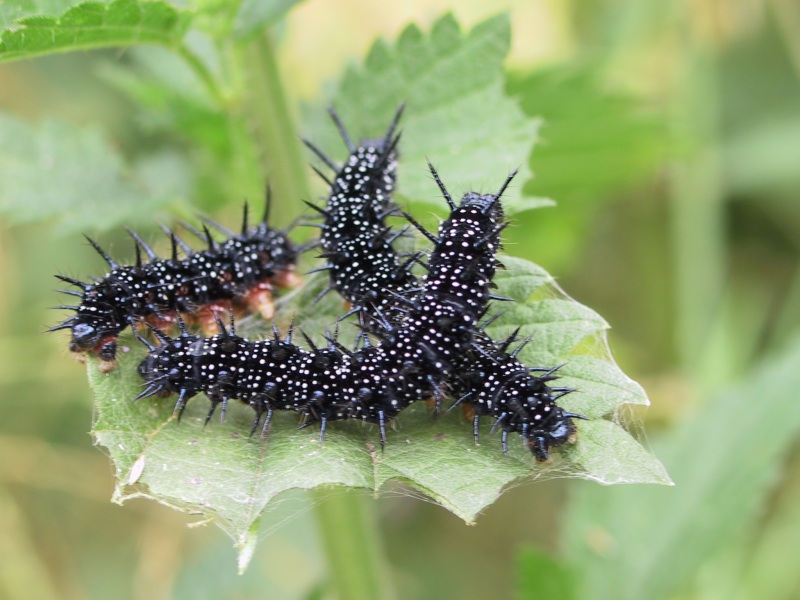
(246, 545)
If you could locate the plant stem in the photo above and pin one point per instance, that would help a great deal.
(698, 237)
(347, 522)
(274, 129)
(202, 72)
(349, 529)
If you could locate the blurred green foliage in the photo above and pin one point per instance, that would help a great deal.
(670, 141)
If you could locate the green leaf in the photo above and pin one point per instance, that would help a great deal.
(13, 10)
(457, 114)
(94, 25)
(56, 170)
(757, 143)
(541, 576)
(221, 473)
(608, 454)
(643, 543)
(255, 15)
(564, 332)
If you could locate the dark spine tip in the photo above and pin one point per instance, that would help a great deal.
(506, 183)
(351, 147)
(267, 205)
(72, 281)
(245, 224)
(102, 253)
(442, 188)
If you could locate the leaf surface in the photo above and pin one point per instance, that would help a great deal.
(91, 25)
(223, 474)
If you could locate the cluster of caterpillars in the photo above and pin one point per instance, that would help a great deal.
(421, 339)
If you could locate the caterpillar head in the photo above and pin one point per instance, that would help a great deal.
(94, 328)
(89, 335)
(485, 203)
(526, 403)
(557, 430)
(96, 324)
(85, 335)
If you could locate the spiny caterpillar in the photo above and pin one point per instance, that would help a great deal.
(366, 270)
(414, 360)
(235, 274)
(355, 240)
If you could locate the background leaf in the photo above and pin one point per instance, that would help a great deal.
(94, 25)
(594, 139)
(174, 110)
(539, 575)
(56, 169)
(723, 467)
(768, 543)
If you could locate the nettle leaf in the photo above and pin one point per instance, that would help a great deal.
(13, 10)
(566, 332)
(457, 113)
(57, 170)
(94, 25)
(224, 475)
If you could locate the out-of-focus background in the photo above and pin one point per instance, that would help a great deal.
(672, 146)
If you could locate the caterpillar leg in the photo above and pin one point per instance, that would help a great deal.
(288, 278)
(210, 315)
(106, 351)
(163, 321)
(259, 299)
(107, 354)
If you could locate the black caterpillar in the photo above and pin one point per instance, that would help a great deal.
(365, 269)
(355, 240)
(414, 361)
(232, 275)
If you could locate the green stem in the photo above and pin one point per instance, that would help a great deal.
(349, 529)
(698, 235)
(346, 518)
(787, 19)
(274, 129)
(785, 325)
(205, 76)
